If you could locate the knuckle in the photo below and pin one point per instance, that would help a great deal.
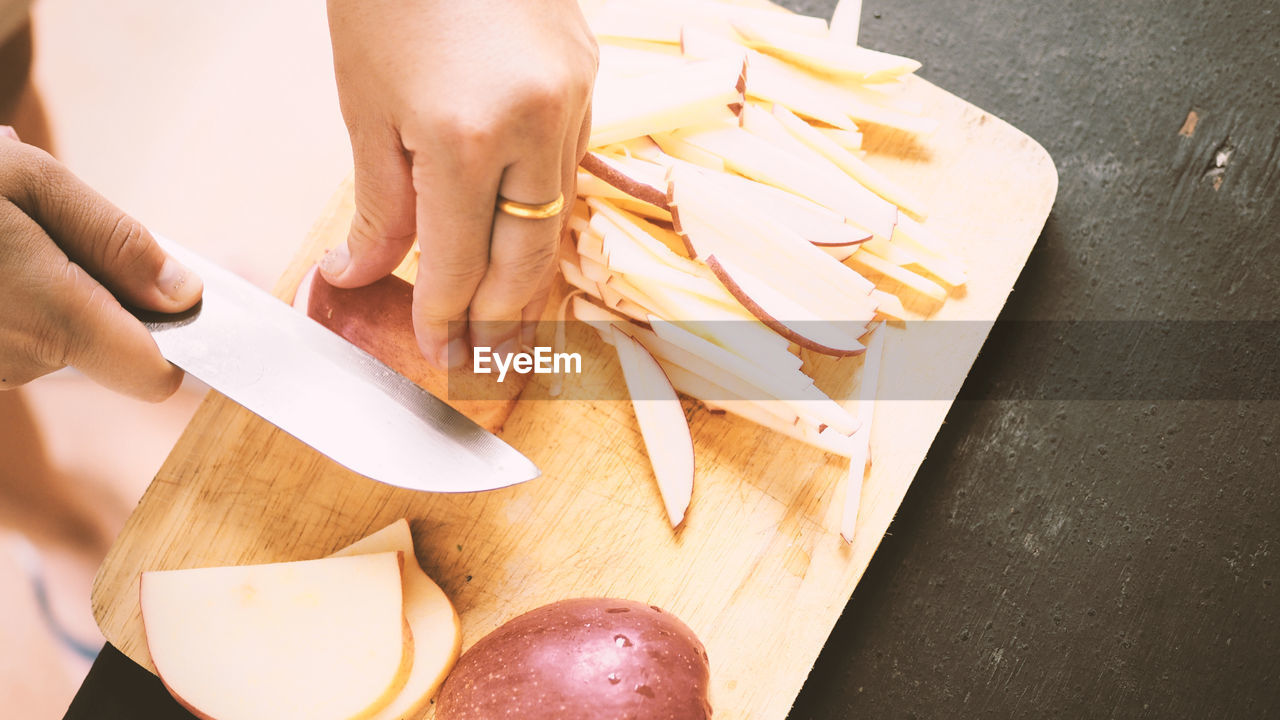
(48, 343)
(376, 225)
(527, 268)
(65, 333)
(457, 272)
(32, 173)
(469, 131)
(126, 245)
(21, 356)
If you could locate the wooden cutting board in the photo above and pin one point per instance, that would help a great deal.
(758, 570)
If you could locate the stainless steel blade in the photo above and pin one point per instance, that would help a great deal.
(326, 392)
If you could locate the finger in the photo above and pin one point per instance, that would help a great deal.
(455, 185)
(7, 131)
(575, 146)
(382, 230)
(111, 246)
(531, 315)
(521, 250)
(75, 321)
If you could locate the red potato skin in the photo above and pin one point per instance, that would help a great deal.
(773, 323)
(582, 659)
(636, 189)
(378, 318)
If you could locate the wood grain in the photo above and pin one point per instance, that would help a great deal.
(758, 570)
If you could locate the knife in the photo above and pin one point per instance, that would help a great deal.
(314, 385)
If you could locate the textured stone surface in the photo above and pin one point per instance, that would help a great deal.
(1099, 558)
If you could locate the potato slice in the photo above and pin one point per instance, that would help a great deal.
(662, 424)
(823, 54)
(856, 167)
(697, 92)
(717, 223)
(861, 440)
(846, 19)
(804, 173)
(436, 628)
(781, 313)
(315, 639)
(639, 179)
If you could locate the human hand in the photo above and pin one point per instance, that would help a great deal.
(449, 106)
(66, 254)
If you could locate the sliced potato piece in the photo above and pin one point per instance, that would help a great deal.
(636, 178)
(816, 179)
(316, 639)
(436, 628)
(714, 222)
(662, 424)
(781, 313)
(823, 54)
(846, 20)
(856, 167)
(861, 440)
(630, 107)
(915, 281)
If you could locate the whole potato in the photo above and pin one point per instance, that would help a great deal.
(582, 659)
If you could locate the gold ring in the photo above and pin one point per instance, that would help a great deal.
(531, 212)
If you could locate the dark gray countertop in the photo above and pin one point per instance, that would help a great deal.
(1103, 557)
(1057, 556)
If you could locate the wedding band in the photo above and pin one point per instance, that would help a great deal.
(531, 212)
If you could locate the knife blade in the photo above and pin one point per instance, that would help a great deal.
(318, 387)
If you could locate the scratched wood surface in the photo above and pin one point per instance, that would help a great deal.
(758, 570)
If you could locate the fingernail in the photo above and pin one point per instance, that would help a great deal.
(336, 260)
(173, 280)
(453, 355)
(9, 132)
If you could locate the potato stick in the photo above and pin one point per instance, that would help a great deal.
(903, 254)
(682, 150)
(850, 140)
(559, 341)
(574, 277)
(890, 306)
(917, 234)
(856, 167)
(845, 21)
(630, 107)
(607, 215)
(803, 172)
(589, 185)
(861, 443)
(591, 246)
(753, 412)
(823, 54)
(771, 79)
(783, 381)
(578, 224)
(594, 270)
(910, 279)
(725, 225)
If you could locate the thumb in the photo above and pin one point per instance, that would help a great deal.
(383, 229)
(111, 246)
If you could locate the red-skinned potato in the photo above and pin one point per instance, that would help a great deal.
(378, 318)
(586, 659)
